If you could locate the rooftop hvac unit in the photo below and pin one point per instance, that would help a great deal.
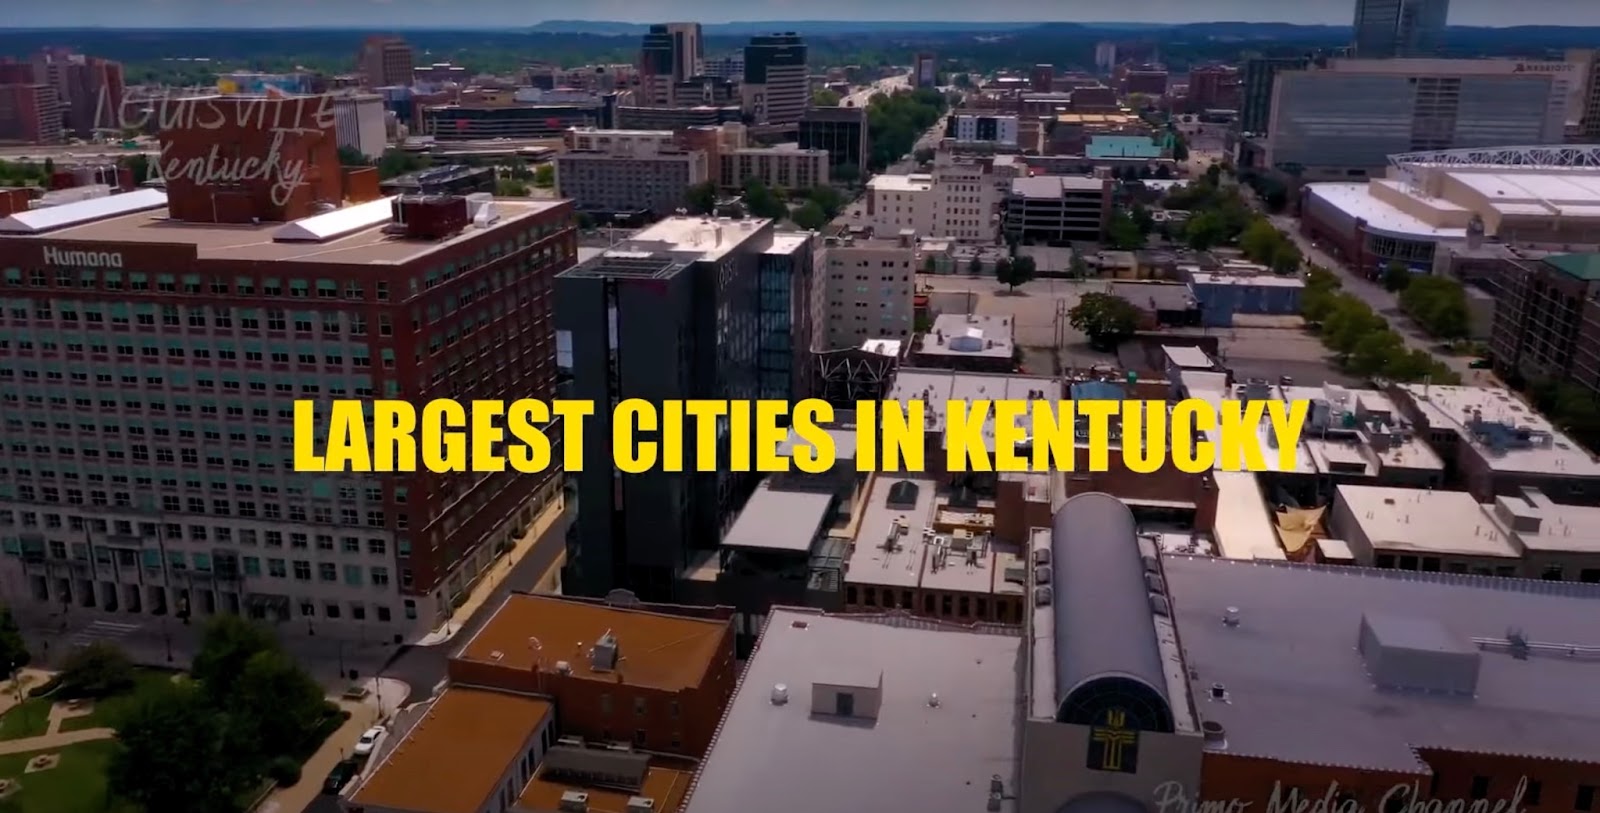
(641, 804)
(574, 801)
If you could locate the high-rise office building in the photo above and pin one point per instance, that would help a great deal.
(776, 86)
(1255, 94)
(1391, 28)
(671, 53)
(386, 61)
(925, 71)
(689, 308)
(842, 131)
(154, 344)
(89, 89)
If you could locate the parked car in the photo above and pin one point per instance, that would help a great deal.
(340, 776)
(1480, 364)
(368, 741)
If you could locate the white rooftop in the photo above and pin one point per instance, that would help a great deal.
(1423, 521)
(71, 214)
(944, 720)
(1356, 201)
(936, 388)
(1259, 280)
(710, 238)
(1544, 449)
(1244, 527)
(1187, 357)
(872, 562)
(956, 334)
(901, 183)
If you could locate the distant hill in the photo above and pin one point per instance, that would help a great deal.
(813, 27)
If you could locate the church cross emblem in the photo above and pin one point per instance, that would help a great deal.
(1113, 746)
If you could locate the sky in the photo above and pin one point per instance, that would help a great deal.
(521, 13)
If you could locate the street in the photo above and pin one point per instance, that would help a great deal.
(860, 98)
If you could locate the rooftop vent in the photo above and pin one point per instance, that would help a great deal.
(1230, 617)
(574, 801)
(603, 657)
(1042, 596)
(1160, 606)
(1215, 735)
(1042, 575)
(780, 694)
(564, 667)
(1417, 654)
(641, 804)
(1219, 692)
(933, 700)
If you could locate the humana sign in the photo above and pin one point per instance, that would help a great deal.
(82, 259)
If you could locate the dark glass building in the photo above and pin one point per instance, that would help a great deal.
(842, 131)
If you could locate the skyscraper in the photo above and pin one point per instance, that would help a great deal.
(776, 88)
(1391, 28)
(670, 53)
(386, 61)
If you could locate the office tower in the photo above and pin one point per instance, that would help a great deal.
(688, 308)
(1042, 78)
(842, 131)
(1391, 28)
(776, 87)
(147, 420)
(925, 71)
(89, 89)
(671, 53)
(30, 113)
(1255, 97)
(385, 62)
(633, 172)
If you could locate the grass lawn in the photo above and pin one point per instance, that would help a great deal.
(77, 785)
(29, 718)
(109, 710)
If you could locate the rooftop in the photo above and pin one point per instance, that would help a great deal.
(1054, 186)
(1259, 280)
(664, 781)
(1191, 358)
(361, 241)
(873, 561)
(1244, 527)
(900, 183)
(1298, 690)
(780, 519)
(1356, 201)
(1585, 267)
(1122, 146)
(1425, 521)
(658, 650)
(1161, 296)
(1511, 436)
(971, 335)
(934, 719)
(468, 735)
(702, 238)
(935, 388)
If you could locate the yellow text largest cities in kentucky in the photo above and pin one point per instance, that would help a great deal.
(774, 436)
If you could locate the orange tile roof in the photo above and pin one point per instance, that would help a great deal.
(655, 650)
(666, 783)
(452, 760)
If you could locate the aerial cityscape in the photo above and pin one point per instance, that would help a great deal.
(1375, 220)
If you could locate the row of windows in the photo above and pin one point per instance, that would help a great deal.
(175, 532)
(65, 315)
(353, 575)
(245, 509)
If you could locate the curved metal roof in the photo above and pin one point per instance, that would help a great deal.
(1101, 802)
(1104, 624)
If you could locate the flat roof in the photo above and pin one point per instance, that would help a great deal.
(1584, 267)
(1425, 521)
(969, 335)
(1192, 358)
(1161, 296)
(901, 183)
(471, 737)
(245, 242)
(1244, 528)
(1356, 201)
(779, 519)
(1053, 186)
(1299, 690)
(937, 387)
(708, 238)
(1449, 407)
(871, 563)
(917, 755)
(1258, 280)
(1541, 524)
(667, 652)
(666, 782)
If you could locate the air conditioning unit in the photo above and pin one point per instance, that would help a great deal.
(641, 804)
(574, 801)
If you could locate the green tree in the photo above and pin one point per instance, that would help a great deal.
(846, 173)
(1348, 321)
(544, 176)
(1213, 175)
(1105, 319)
(226, 646)
(1077, 267)
(701, 198)
(1286, 259)
(277, 702)
(175, 752)
(1415, 365)
(1204, 230)
(930, 264)
(1396, 276)
(762, 201)
(509, 188)
(1374, 352)
(49, 167)
(13, 649)
(1142, 219)
(1438, 305)
(1016, 272)
(399, 162)
(96, 670)
(810, 216)
(975, 267)
(351, 157)
(1122, 233)
(1260, 240)
(830, 199)
(825, 98)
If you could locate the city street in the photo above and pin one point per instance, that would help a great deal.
(1380, 300)
(860, 98)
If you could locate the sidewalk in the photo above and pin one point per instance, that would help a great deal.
(53, 736)
(378, 705)
(491, 579)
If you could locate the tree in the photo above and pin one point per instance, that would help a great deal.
(13, 649)
(1396, 277)
(1106, 319)
(1002, 268)
(810, 216)
(277, 702)
(1347, 323)
(1286, 258)
(1204, 230)
(847, 173)
(975, 267)
(825, 98)
(701, 198)
(762, 201)
(930, 265)
(1016, 271)
(510, 188)
(923, 155)
(544, 176)
(1123, 234)
(49, 167)
(400, 162)
(96, 670)
(1077, 267)
(1213, 175)
(1260, 240)
(831, 201)
(1374, 352)
(1142, 219)
(175, 752)
(227, 645)
(351, 157)
(1438, 305)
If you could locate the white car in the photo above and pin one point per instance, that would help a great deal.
(369, 739)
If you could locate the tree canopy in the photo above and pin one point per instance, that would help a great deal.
(13, 649)
(1122, 233)
(895, 123)
(1361, 339)
(1016, 271)
(1106, 319)
(1438, 305)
